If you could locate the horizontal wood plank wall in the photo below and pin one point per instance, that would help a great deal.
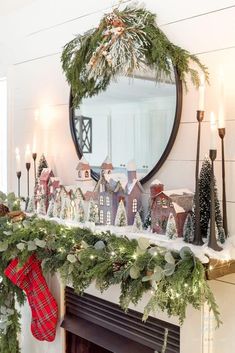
(32, 40)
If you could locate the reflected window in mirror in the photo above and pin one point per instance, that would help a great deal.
(136, 119)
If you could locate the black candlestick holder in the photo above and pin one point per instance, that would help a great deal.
(224, 201)
(34, 155)
(212, 237)
(197, 240)
(18, 174)
(28, 165)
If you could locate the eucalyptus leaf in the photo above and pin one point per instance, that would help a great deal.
(134, 272)
(100, 245)
(84, 244)
(31, 245)
(169, 269)
(26, 224)
(3, 246)
(10, 312)
(143, 243)
(139, 251)
(71, 258)
(3, 310)
(169, 258)
(185, 253)
(2, 196)
(40, 243)
(70, 270)
(8, 232)
(16, 226)
(21, 246)
(158, 273)
(147, 278)
(153, 250)
(11, 197)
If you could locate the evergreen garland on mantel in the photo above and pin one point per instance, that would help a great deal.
(124, 42)
(174, 279)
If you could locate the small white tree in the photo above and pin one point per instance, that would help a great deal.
(188, 229)
(171, 229)
(121, 217)
(31, 205)
(80, 212)
(57, 207)
(137, 225)
(93, 215)
(42, 206)
(64, 213)
(51, 208)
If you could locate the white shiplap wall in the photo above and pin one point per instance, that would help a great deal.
(31, 39)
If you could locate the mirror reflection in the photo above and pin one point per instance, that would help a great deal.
(131, 120)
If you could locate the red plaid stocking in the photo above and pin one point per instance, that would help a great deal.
(43, 305)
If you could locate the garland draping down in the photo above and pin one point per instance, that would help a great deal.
(174, 279)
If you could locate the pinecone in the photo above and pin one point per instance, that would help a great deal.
(116, 266)
(3, 210)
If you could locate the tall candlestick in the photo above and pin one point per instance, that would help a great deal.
(201, 90)
(197, 239)
(34, 155)
(213, 134)
(224, 201)
(28, 165)
(18, 174)
(212, 237)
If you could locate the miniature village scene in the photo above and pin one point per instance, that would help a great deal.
(117, 202)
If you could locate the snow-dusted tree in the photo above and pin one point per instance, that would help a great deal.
(188, 229)
(41, 165)
(205, 200)
(121, 217)
(64, 213)
(93, 215)
(137, 225)
(219, 233)
(57, 207)
(171, 229)
(42, 206)
(50, 209)
(31, 205)
(80, 212)
(148, 221)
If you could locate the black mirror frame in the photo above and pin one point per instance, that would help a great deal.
(166, 152)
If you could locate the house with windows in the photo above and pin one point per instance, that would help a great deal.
(84, 180)
(112, 188)
(164, 202)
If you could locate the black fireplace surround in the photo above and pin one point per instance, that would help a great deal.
(94, 325)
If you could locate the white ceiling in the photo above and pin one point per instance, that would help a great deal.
(9, 6)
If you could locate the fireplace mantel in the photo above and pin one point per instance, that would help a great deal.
(197, 334)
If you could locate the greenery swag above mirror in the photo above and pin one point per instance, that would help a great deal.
(139, 119)
(125, 41)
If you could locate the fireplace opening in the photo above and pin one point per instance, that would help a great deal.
(94, 325)
(76, 344)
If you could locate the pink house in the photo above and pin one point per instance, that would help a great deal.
(164, 202)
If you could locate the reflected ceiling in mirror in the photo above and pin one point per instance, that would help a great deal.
(134, 119)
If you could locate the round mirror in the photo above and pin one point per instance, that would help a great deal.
(136, 119)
